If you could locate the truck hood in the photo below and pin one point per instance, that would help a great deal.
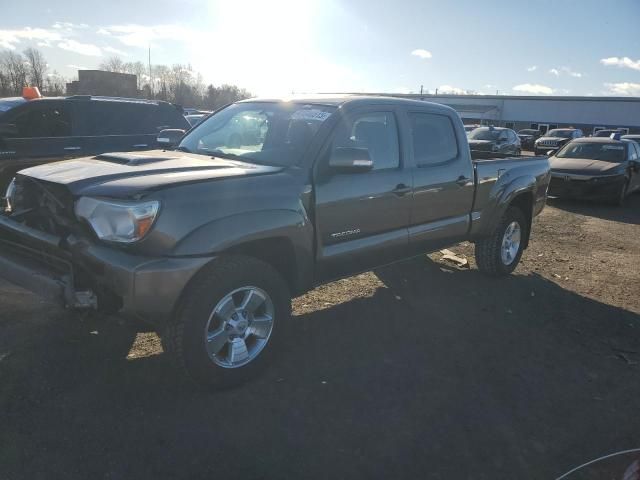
(583, 165)
(129, 174)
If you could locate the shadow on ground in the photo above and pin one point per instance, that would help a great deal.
(626, 214)
(440, 374)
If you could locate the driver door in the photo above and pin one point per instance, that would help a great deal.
(362, 218)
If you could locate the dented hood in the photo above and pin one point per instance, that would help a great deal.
(127, 174)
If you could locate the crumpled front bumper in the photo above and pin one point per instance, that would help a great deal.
(65, 270)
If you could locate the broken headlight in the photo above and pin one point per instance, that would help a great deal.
(115, 221)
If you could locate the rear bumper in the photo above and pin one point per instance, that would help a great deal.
(137, 286)
(565, 186)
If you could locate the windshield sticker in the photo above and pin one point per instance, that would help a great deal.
(310, 114)
(612, 147)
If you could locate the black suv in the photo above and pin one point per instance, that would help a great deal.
(527, 137)
(49, 129)
(495, 140)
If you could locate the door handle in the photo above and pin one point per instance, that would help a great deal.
(140, 145)
(462, 180)
(401, 189)
(71, 149)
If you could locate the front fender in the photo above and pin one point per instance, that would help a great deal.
(233, 231)
(504, 191)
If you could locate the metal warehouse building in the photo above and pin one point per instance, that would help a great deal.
(544, 113)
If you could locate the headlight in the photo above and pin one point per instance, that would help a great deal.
(9, 196)
(123, 222)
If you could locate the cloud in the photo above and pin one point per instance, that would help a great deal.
(69, 26)
(555, 72)
(532, 68)
(10, 38)
(533, 88)
(454, 90)
(623, 62)
(422, 53)
(115, 51)
(570, 72)
(77, 67)
(81, 48)
(142, 36)
(624, 88)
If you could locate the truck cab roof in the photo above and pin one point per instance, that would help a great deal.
(339, 100)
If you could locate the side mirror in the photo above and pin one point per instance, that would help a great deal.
(8, 130)
(169, 137)
(550, 153)
(351, 160)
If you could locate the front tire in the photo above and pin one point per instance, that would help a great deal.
(229, 324)
(621, 196)
(499, 253)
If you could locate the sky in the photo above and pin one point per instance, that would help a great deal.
(278, 47)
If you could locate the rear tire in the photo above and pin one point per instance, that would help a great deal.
(215, 350)
(499, 253)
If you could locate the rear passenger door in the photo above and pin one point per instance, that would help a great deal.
(362, 218)
(443, 180)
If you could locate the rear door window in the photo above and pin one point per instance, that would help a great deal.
(434, 139)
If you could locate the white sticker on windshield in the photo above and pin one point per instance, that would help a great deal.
(613, 147)
(310, 114)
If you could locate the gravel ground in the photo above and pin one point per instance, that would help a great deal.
(419, 370)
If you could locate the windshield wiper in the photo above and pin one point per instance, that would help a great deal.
(229, 156)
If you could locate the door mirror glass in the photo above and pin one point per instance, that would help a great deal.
(549, 153)
(351, 159)
(169, 137)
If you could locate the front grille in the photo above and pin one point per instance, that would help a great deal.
(43, 205)
(547, 143)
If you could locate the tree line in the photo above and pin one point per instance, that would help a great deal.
(177, 83)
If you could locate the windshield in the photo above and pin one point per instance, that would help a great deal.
(608, 152)
(484, 134)
(265, 133)
(559, 133)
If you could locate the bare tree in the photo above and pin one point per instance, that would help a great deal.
(55, 84)
(14, 67)
(113, 64)
(36, 67)
(138, 69)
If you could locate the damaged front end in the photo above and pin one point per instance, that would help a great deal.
(46, 249)
(36, 223)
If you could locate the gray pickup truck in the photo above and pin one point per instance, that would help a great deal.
(263, 201)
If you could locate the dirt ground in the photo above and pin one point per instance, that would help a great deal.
(419, 370)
